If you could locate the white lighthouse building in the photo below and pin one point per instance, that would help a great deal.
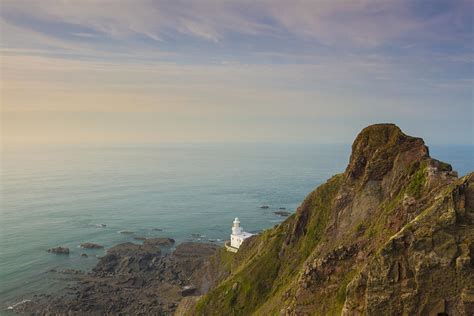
(238, 236)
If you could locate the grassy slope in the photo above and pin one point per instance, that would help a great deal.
(268, 266)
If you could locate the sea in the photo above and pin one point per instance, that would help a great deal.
(65, 195)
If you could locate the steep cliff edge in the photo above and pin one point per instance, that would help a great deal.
(427, 267)
(393, 234)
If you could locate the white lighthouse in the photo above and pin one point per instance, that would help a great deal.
(238, 236)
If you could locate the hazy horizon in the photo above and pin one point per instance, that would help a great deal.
(206, 71)
(119, 143)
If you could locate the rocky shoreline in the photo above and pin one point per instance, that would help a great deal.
(134, 279)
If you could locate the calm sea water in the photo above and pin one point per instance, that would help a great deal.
(56, 195)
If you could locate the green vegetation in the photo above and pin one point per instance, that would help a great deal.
(372, 232)
(222, 261)
(417, 183)
(319, 204)
(268, 264)
(390, 205)
(359, 228)
(246, 288)
(417, 175)
(341, 293)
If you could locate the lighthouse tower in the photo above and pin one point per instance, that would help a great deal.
(238, 235)
(236, 229)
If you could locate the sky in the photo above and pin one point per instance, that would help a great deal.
(123, 71)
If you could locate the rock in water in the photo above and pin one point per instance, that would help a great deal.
(59, 250)
(133, 279)
(89, 245)
(126, 232)
(159, 241)
(282, 213)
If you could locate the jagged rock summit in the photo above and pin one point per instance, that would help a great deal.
(391, 235)
(377, 148)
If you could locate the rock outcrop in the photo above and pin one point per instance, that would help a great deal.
(391, 235)
(282, 213)
(159, 242)
(89, 245)
(59, 250)
(427, 268)
(133, 279)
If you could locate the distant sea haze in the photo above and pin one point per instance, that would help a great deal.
(67, 195)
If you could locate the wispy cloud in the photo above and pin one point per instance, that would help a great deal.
(358, 24)
(268, 61)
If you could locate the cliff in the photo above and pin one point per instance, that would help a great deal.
(393, 234)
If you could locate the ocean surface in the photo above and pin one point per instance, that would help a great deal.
(55, 195)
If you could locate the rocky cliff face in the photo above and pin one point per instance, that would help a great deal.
(427, 267)
(391, 235)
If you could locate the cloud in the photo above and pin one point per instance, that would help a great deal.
(290, 63)
(364, 23)
(62, 84)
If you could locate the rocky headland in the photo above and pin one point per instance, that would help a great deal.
(391, 235)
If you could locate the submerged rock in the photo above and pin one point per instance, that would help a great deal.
(126, 232)
(282, 213)
(264, 206)
(89, 245)
(59, 250)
